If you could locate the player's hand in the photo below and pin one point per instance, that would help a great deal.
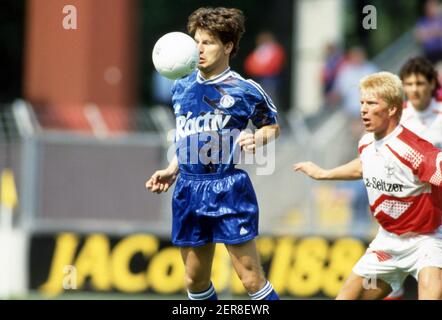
(310, 169)
(161, 181)
(247, 142)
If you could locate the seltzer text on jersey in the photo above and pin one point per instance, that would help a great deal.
(403, 176)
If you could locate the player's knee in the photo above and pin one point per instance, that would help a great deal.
(424, 285)
(346, 294)
(253, 281)
(430, 288)
(350, 290)
(429, 292)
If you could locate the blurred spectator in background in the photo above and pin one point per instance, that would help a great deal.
(334, 59)
(265, 64)
(429, 31)
(422, 112)
(438, 68)
(161, 89)
(345, 93)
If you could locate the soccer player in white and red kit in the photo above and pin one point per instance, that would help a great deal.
(403, 176)
(422, 112)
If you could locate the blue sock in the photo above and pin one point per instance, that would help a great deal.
(271, 296)
(266, 293)
(209, 294)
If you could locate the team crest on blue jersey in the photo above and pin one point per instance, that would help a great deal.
(227, 101)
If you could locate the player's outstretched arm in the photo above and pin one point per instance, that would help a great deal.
(349, 171)
(250, 141)
(162, 180)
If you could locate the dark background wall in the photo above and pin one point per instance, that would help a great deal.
(12, 13)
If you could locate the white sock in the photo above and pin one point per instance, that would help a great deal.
(261, 294)
(202, 295)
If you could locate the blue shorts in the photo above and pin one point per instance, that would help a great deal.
(214, 208)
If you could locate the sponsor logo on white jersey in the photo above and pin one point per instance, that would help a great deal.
(381, 185)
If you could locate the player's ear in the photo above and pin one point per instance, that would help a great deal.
(392, 111)
(228, 47)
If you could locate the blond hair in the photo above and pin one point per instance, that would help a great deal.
(386, 86)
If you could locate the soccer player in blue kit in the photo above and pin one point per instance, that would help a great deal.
(214, 202)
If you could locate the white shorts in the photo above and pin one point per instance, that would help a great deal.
(392, 258)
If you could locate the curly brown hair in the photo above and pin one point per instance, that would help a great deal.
(422, 66)
(225, 23)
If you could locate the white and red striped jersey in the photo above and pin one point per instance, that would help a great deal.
(426, 124)
(403, 176)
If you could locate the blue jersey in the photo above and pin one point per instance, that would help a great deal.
(209, 116)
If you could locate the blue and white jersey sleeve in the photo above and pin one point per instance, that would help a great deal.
(262, 110)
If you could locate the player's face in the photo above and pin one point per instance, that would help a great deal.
(376, 115)
(418, 90)
(214, 55)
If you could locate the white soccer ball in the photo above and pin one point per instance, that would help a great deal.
(175, 55)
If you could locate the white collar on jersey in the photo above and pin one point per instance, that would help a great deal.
(221, 77)
(425, 113)
(391, 135)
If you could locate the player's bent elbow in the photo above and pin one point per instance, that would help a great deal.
(275, 131)
(357, 175)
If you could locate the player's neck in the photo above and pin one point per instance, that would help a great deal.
(382, 134)
(216, 71)
(424, 107)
